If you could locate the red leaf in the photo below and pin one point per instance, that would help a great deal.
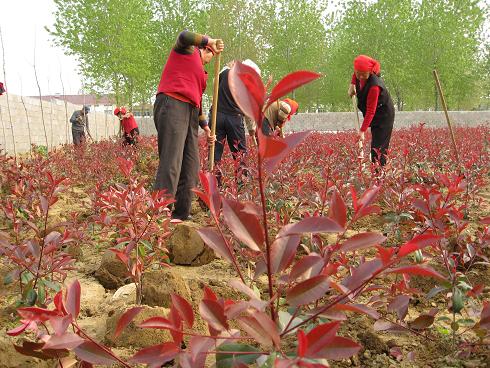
(400, 306)
(36, 314)
(176, 321)
(93, 354)
(247, 90)
(306, 267)
(319, 338)
(261, 327)
(209, 294)
(368, 197)
(214, 241)
(184, 308)
(292, 141)
(212, 198)
(422, 322)
(244, 225)
(485, 220)
(290, 82)
(126, 319)
(302, 343)
(160, 323)
(68, 341)
(417, 270)
(72, 303)
(308, 291)
(339, 348)
(311, 225)
(283, 251)
(337, 210)
(157, 355)
(485, 316)
(362, 273)
(199, 346)
(359, 308)
(270, 146)
(361, 241)
(60, 324)
(240, 286)
(476, 291)
(418, 242)
(213, 313)
(381, 325)
(19, 329)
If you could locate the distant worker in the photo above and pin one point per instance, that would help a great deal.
(230, 122)
(178, 113)
(376, 105)
(79, 122)
(276, 115)
(129, 127)
(2, 89)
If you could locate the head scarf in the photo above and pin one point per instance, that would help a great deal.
(364, 63)
(294, 106)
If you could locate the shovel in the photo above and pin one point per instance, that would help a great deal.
(358, 124)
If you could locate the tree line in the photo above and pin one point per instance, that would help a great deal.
(122, 45)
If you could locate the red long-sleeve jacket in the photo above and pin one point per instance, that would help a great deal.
(371, 103)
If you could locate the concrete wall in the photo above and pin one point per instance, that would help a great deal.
(334, 121)
(56, 122)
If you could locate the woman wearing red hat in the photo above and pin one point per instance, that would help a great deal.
(375, 103)
(129, 127)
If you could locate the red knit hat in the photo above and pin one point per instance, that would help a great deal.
(364, 63)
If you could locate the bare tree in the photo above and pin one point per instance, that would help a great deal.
(8, 102)
(40, 96)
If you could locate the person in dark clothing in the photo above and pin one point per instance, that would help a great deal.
(177, 113)
(230, 124)
(376, 105)
(79, 122)
(129, 127)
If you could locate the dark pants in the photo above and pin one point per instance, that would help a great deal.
(380, 142)
(229, 127)
(266, 127)
(131, 138)
(177, 125)
(78, 137)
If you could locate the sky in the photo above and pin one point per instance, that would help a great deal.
(22, 25)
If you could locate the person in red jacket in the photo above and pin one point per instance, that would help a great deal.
(129, 126)
(177, 113)
(2, 89)
(376, 105)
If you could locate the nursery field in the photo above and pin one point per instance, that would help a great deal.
(311, 257)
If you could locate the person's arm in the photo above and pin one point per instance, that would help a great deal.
(352, 87)
(203, 123)
(74, 117)
(186, 40)
(371, 105)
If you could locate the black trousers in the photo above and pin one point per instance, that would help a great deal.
(131, 138)
(229, 127)
(381, 135)
(177, 124)
(78, 137)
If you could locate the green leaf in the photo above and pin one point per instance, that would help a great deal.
(55, 286)
(458, 300)
(8, 279)
(228, 360)
(31, 297)
(41, 297)
(147, 244)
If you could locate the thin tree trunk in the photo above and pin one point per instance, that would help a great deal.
(66, 107)
(40, 99)
(8, 101)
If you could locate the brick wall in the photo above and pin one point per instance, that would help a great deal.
(56, 122)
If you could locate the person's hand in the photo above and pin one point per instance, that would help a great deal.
(216, 44)
(352, 90)
(251, 132)
(210, 137)
(361, 136)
